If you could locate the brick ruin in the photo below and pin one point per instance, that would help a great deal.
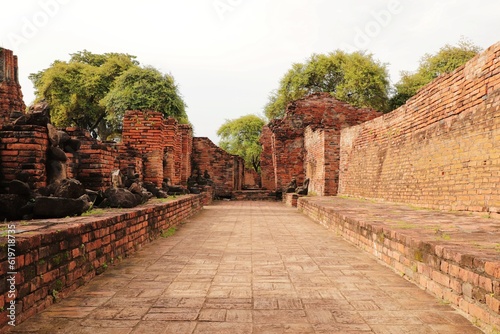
(11, 97)
(154, 149)
(306, 143)
(441, 150)
(226, 170)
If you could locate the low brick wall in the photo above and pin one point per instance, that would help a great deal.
(56, 256)
(290, 199)
(464, 271)
(254, 195)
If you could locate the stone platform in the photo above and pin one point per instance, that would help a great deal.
(453, 255)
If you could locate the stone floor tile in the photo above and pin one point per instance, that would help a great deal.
(164, 327)
(212, 315)
(75, 312)
(290, 304)
(290, 328)
(222, 328)
(279, 316)
(239, 316)
(99, 324)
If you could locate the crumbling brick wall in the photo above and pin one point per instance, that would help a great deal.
(226, 170)
(162, 146)
(285, 145)
(145, 134)
(94, 162)
(267, 172)
(252, 179)
(440, 150)
(11, 97)
(23, 154)
(185, 133)
(322, 160)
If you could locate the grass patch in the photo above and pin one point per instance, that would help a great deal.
(167, 199)
(168, 233)
(443, 236)
(418, 208)
(418, 255)
(92, 212)
(405, 225)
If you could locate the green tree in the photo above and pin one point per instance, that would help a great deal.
(77, 90)
(241, 137)
(355, 78)
(143, 89)
(74, 89)
(446, 60)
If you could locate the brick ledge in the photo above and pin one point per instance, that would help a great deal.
(454, 256)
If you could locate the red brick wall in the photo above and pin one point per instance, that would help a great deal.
(284, 150)
(11, 97)
(322, 160)
(185, 133)
(226, 170)
(23, 154)
(267, 172)
(152, 139)
(146, 133)
(440, 150)
(93, 163)
(252, 179)
(66, 254)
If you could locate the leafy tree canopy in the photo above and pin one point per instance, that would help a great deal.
(241, 137)
(83, 91)
(446, 60)
(143, 89)
(355, 78)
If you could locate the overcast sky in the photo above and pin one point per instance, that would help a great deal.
(228, 55)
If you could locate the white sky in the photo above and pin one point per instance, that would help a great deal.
(228, 55)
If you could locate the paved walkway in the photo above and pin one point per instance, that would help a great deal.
(249, 267)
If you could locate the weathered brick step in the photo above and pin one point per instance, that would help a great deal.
(453, 255)
(254, 195)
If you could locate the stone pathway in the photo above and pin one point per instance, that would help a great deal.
(249, 267)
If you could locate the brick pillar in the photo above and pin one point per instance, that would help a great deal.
(186, 136)
(144, 134)
(11, 97)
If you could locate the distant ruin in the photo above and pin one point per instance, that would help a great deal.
(306, 143)
(440, 150)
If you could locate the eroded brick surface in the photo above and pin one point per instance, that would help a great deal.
(440, 150)
(226, 170)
